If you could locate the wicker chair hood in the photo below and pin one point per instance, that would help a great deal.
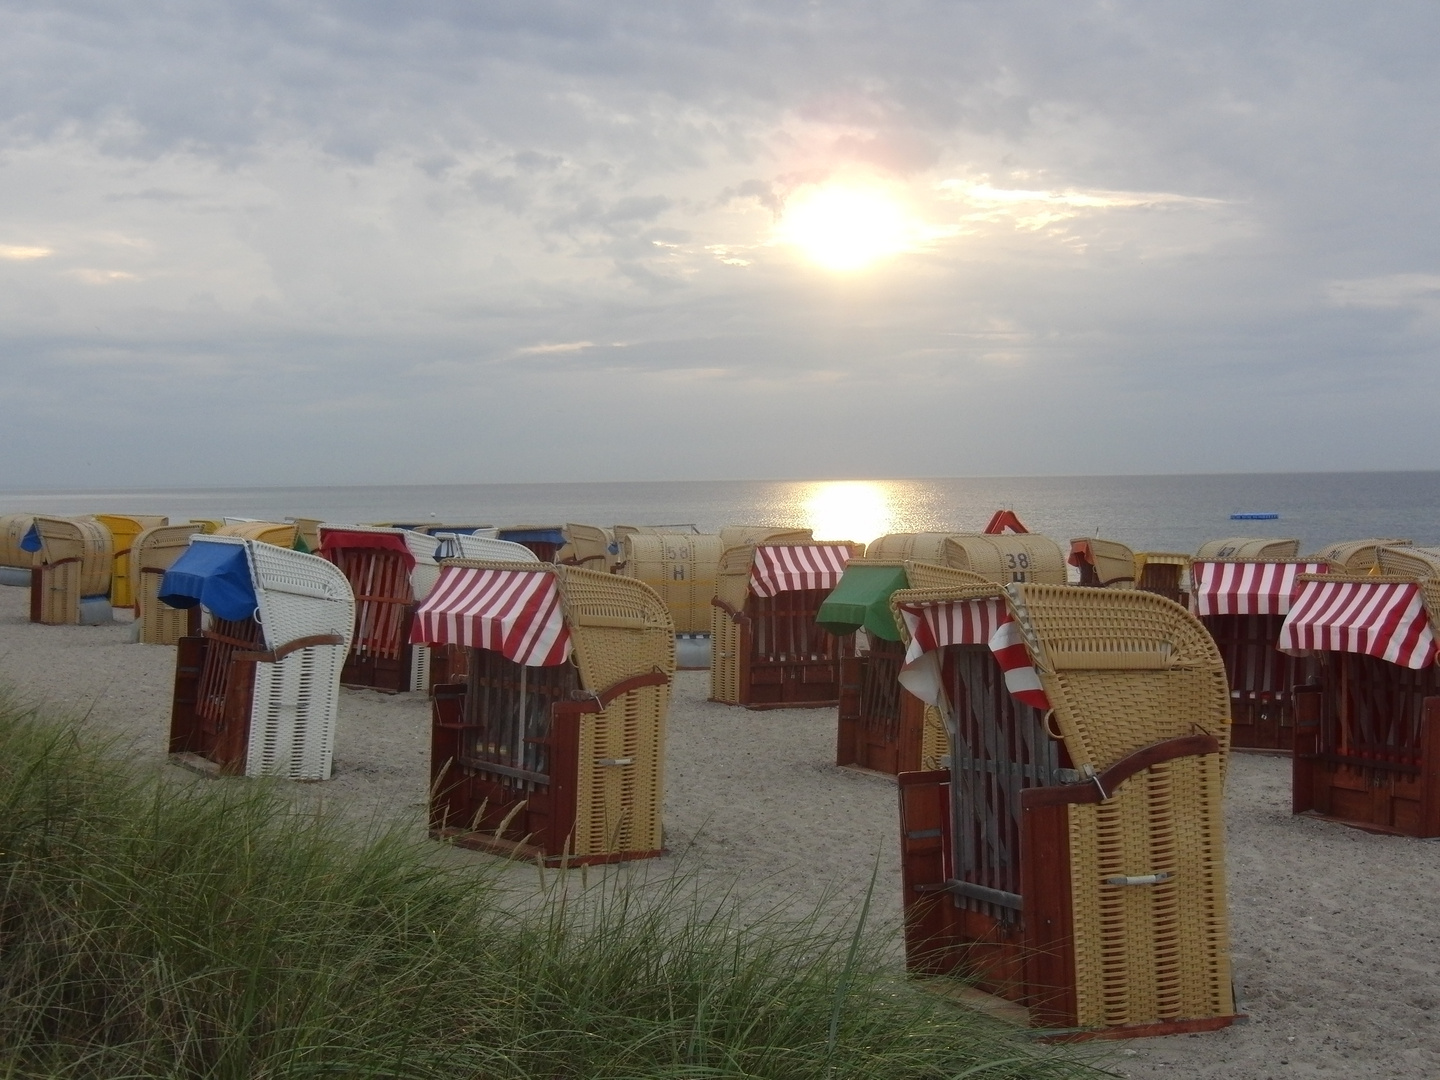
(83, 539)
(1248, 547)
(1358, 556)
(1413, 562)
(13, 528)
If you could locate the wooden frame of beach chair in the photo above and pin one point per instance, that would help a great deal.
(124, 528)
(152, 553)
(1367, 731)
(390, 571)
(766, 651)
(1243, 602)
(1072, 857)
(257, 693)
(71, 583)
(552, 748)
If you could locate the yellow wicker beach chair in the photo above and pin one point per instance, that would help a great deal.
(152, 553)
(1367, 728)
(124, 528)
(257, 690)
(766, 651)
(1072, 857)
(589, 546)
(994, 556)
(278, 533)
(72, 583)
(1407, 561)
(553, 746)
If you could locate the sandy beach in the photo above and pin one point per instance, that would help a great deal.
(1336, 933)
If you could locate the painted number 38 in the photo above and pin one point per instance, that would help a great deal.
(1017, 562)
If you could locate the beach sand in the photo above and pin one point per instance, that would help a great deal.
(1336, 933)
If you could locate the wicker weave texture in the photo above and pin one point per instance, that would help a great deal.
(1122, 669)
(681, 568)
(1113, 561)
(923, 575)
(927, 547)
(740, 535)
(124, 528)
(13, 528)
(588, 546)
(1151, 953)
(1022, 557)
(77, 556)
(278, 533)
(487, 548)
(154, 551)
(724, 658)
(934, 741)
(1252, 548)
(1417, 563)
(1358, 556)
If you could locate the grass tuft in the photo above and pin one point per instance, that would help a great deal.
(158, 929)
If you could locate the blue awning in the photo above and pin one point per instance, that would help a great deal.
(216, 575)
(532, 535)
(31, 540)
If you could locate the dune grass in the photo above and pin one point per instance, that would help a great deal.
(160, 929)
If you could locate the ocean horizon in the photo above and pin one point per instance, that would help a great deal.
(1174, 512)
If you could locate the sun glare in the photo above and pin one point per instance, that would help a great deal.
(846, 228)
(849, 510)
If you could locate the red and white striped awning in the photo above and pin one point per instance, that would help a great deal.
(1245, 588)
(793, 568)
(516, 613)
(968, 622)
(1386, 619)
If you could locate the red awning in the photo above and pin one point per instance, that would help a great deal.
(1386, 619)
(793, 568)
(333, 540)
(1245, 588)
(516, 613)
(968, 622)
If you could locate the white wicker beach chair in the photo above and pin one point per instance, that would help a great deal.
(486, 548)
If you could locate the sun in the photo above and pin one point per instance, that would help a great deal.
(846, 227)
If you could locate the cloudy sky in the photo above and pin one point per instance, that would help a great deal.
(270, 242)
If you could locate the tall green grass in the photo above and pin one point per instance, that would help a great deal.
(156, 929)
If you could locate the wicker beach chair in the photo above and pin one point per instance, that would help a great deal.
(994, 556)
(1108, 564)
(257, 690)
(1243, 603)
(544, 540)
(1256, 548)
(71, 584)
(281, 534)
(1367, 730)
(1071, 859)
(390, 571)
(16, 562)
(472, 546)
(152, 553)
(765, 650)
(589, 546)
(124, 528)
(732, 536)
(681, 567)
(1407, 561)
(553, 746)
(1357, 556)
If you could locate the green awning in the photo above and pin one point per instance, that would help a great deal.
(862, 599)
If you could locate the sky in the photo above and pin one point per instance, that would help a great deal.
(274, 243)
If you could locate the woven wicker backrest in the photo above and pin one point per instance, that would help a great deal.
(924, 547)
(1122, 669)
(680, 567)
(1253, 548)
(1357, 556)
(619, 627)
(279, 533)
(158, 548)
(923, 575)
(489, 549)
(81, 538)
(1418, 563)
(741, 535)
(1021, 557)
(299, 595)
(13, 528)
(587, 546)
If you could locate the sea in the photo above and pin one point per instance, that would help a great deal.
(1152, 513)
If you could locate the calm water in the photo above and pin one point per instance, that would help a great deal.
(1168, 513)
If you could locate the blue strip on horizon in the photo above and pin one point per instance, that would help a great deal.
(215, 575)
(1254, 517)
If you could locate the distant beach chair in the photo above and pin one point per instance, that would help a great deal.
(765, 650)
(1358, 556)
(1255, 548)
(590, 546)
(1367, 731)
(71, 584)
(390, 571)
(16, 562)
(681, 567)
(994, 556)
(1108, 564)
(552, 747)
(124, 528)
(152, 553)
(544, 540)
(881, 726)
(282, 534)
(257, 690)
(1243, 603)
(740, 535)
(470, 546)
(1072, 857)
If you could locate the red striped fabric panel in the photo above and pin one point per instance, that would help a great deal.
(1382, 619)
(793, 568)
(976, 622)
(1245, 588)
(516, 613)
